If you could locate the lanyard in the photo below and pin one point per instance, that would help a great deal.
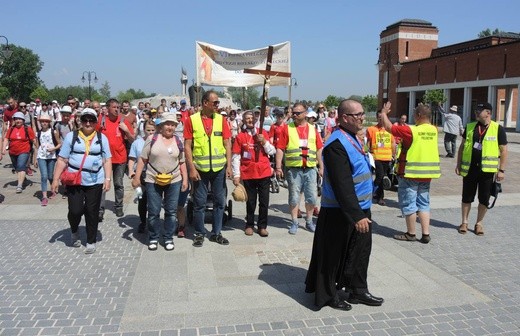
(358, 147)
(481, 133)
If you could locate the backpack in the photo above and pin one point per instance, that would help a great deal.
(54, 141)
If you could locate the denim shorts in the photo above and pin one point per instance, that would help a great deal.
(20, 161)
(413, 196)
(302, 179)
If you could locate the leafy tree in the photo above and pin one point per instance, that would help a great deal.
(40, 92)
(104, 92)
(276, 101)
(434, 97)
(369, 103)
(252, 97)
(488, 32)
(356, 98)
(60, 93)
(131, 94)
(332, 101)
(20, 72)
(4, 93)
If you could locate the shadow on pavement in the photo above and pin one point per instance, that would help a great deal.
(63, 236)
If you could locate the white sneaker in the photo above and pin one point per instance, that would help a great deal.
(91, 248)
(169, 246)
(76, 240)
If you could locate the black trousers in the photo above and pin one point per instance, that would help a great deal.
(382, 168)
(257, 188)
(84, 200)
(476, 178)
(142, 206)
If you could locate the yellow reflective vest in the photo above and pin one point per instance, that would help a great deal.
(380, 143)
(294, 151)
(422, 158)
(209, 152)
(490, 149)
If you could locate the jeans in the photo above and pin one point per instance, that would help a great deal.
(217, 182)
(84, 200)
(156, 194)
(450, 143)
(260, 188)
(118, 173)
(382, 168)
(46, 171)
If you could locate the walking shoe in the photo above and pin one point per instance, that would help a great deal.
(18, 190)
(45, 201)
(425, 239)
(91, 248)
(405, 236)
(316, 212)
(248, 231)
(152, 246)
(263, 232)
(310, 226)
(76, 241)
(180, 232)
(293, 228)
(169, 246)
(64, 196)
(119, 213)
(51, 195)
(198, 240)
(29, 172)
(217, 238)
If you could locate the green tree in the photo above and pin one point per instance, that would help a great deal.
(332, 101)
(369, 103)
(60, 93)
(488, 32)
(4, 93)
(434, 97)
(252, 97)
(357, 98)
(276, 101)
(131, 94)
(104, 92)
(40, 92)
(20, 72)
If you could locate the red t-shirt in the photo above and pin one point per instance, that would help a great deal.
(274, 132)
(303, 133)
(8, 114)
(116, 137)
(405, 133)
(18, 141)
(250, 167)
(185, 114)
(208, 126)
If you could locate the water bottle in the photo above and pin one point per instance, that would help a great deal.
(138, 194)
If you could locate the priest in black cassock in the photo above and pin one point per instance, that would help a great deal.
(343, 240)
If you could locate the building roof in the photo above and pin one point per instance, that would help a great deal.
(411, 23)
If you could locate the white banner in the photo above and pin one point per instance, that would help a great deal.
(219, 66)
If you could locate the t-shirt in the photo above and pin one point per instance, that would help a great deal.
(405, 133)
(274, 133)
(116, 138)
(18, 141)
(244, 145)
(303, 133)
(162, 159)
(8, 114)
(476, 155)
(208, 126)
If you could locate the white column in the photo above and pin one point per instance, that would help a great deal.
(467, 105)
(518, 111)
(447, 103)
(508, 106)
(492, 99)
(411, 107)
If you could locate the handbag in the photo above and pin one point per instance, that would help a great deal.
(68, 178)
(496, 188)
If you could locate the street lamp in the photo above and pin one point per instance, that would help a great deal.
(5, 52)
(290, 88)
(387, 62)
(89, 77)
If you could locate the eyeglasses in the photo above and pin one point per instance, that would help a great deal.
(298, 113)
(72, 103)
(216, 102)
(88, 120)
(22, 106)
(356, 115)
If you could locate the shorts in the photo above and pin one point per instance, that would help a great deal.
(20, 161)
(413, 196)
(302, 179)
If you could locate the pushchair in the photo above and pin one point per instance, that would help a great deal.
(228, 208)
(274, 186)
(390, 179)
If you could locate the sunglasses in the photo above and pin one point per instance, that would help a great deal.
(216, 102)
(72, 104)
(297, 113)
(88, 120)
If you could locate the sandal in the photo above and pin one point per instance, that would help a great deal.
(405, 236)
(463, 228)
(479, 230)
(217, 238)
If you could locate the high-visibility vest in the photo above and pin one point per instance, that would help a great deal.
(294, 152)
(490, 149)
(422, 158)
(380, 143)
(361, 174)
(209, 153)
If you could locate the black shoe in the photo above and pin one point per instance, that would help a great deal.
(142, 228)
(339, 304)
(100, 216)
(119, 213)
(219, 239)
(366, 299)
(198, 240)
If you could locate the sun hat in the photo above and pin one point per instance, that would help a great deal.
(19, 115)
(454, 108)
(66, 109)
(89, 112)
(168, 117)
(239, 194)
(44, 117)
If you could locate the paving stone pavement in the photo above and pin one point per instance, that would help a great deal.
(456, 285)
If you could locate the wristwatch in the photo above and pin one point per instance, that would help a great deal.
(108, 179)
(502, 170)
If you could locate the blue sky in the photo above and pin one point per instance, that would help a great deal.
(144, 44)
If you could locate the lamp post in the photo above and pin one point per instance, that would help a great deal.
(290, 88)
(387, 62)
(89, 78)
(5, 52)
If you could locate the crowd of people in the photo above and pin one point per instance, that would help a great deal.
(171, 152)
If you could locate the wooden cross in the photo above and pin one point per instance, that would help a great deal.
(267, 73)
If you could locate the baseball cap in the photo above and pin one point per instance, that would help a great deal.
(484, 106)
(66, 109)
(88, 111)
(19, 115)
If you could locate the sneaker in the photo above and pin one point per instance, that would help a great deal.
(219, 239)
(18, 190)
(198, 240)
(91, 248)
(293, 228)
(169, 246)
(76, 241)
(29, 172)
(65, 196)
(51, 195)
(152, 246)
(180, 232)
(45, 201)
(425, 239)
(311, 227)
(119, 213)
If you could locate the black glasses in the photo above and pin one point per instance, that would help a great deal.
(298, 113)
(22, 106)
(356, 115)
(216, 102)
(72, 104)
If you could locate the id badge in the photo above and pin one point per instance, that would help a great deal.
(380, 144)
(303, 142)
(246, 155)
(477, 146)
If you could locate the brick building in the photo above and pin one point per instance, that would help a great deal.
(485, 69)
